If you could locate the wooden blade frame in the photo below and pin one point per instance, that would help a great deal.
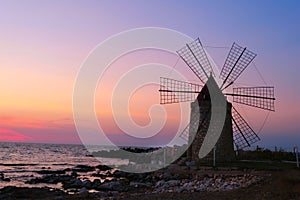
(236, 62)
(195, 57)
(259, 97)
(243, 134)
(174, 91)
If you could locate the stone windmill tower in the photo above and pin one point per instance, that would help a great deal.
(236, 131)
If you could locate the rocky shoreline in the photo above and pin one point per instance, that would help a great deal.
(108, 183)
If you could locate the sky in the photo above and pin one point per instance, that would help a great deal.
(44, 43)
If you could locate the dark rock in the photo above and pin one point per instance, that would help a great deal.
(73, 183)
(12, 192)
(172, 183)
(139, 184)
(96, 183)
(99, 175)
(160, 183)
(110, 185)
(119, 174)
(83, 168)
(51, 179)
(83, 192)
(103, 167)
(67, 181)
(87, 184)
(108, 173)
(166, 176)
(51, 172)
(2, 178)
(113, 193)
(67, 169)
(120, 186)
(74, 174)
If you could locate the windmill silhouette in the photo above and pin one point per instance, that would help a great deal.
(236, 130)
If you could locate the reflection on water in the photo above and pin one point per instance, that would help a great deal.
(20, 162)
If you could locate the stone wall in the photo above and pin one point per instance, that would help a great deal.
(224, 147)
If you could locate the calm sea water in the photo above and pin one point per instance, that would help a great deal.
(20, 161)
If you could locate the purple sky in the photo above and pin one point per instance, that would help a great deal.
(43, 44)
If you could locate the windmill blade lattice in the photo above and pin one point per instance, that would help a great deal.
(174, 91)
(195, 57)
(185, 133)
(236, 62)
(259, 97)
(243, 134)
(238, 59)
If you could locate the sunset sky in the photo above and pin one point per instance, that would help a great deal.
(44, 43)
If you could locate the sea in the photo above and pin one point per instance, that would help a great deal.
(20, 162)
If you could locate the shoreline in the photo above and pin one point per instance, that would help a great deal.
(276, 184)
(169, 182)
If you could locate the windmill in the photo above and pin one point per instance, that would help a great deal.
(236, 132)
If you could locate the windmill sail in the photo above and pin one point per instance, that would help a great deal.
(236, 62)
(259, 97)
(195, 57)
(185, 133)
(243, 134)
(174, 91)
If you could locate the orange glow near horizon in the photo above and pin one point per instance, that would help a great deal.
(43, 45)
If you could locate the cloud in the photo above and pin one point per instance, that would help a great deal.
(32, 123)
(11, 135)
(23, 129)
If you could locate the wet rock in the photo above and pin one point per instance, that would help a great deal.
(6, 179)
(166, 176)
(180, 190)
(172, 183)
(100, 194)
(83, 192)
(73, 183)
(83, 168)
(113, 193)
(59, 198)
(114, 185)
(2, 178)
(234, 184)
(103, 167)
(12, 192)
(74, 174)
(96, 183)
(160, 183)
(200, 188)
(99, 175)
(51, 172)
(139, 184)
(119, 174)
(51, 179)
(110, 185)
(67, 170)
(181, 176)
(87, 184)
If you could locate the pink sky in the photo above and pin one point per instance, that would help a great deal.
(44, 44)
